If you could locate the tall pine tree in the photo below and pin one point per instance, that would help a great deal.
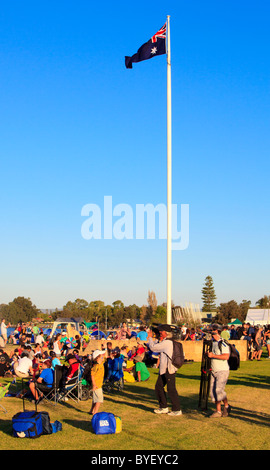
(208, 295)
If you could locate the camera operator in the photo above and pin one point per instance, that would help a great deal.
(219, 372)
(167, 371)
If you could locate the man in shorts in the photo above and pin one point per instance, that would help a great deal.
(219, 372)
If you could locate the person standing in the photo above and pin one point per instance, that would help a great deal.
(124, 332)
(219, 372)
(35, 331)
(166, 371)
(4, 328)
(97, 376)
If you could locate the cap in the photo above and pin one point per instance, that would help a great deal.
(97, 353)
(47, 362)
(137, 358)
(164, 327)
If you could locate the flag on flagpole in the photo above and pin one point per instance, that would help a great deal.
(155, 46)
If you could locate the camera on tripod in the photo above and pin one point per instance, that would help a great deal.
(206, 365)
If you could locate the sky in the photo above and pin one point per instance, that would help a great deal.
(77, 126)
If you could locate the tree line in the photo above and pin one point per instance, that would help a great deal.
(22, 309)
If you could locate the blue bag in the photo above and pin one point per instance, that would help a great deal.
(27, 424)
(56, 426)
(104, 423)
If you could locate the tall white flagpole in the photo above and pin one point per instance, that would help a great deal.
(169, 177)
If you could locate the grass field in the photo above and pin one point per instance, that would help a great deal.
(246, 429)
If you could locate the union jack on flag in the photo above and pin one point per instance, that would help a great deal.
(160, 34)
(155, 46)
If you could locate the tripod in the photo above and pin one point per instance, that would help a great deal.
(205, 375)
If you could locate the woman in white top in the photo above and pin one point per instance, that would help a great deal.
(57, 346)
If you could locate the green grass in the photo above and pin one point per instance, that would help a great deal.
(246, 429)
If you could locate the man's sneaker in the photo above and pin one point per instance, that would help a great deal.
(175, 413)
(226, 411)
(217, 414)
(160, 411)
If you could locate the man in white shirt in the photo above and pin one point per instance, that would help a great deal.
(24, 367)
(166, 372)
(40, 339)
(220, 372)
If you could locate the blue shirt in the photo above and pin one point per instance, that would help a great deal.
(47, 376)
(55, 362)
(142, 335)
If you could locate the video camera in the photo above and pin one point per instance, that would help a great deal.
(208, 331)
(157, 327)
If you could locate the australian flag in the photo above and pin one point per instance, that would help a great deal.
(155, 46)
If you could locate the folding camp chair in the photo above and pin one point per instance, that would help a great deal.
(53, 392)
(115, 378)
(73, 388)
(3, 392)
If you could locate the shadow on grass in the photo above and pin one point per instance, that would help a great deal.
(253, 381)
(82, 425)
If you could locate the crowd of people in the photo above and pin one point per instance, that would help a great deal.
(36, 355)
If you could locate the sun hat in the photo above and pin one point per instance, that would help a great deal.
(97, 353)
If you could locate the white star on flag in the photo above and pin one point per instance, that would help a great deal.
(154, 50)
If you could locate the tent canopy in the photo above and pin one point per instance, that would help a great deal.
(90, 324)
(235, 322)
(62, 323)
(258, 316)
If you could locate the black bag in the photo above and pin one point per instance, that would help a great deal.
(178, 357)
(46, 424)
(234, 359)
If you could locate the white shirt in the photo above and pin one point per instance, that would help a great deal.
(3, 328)
(24, 365)
(220, 364)
(165, 348)
(39, 339)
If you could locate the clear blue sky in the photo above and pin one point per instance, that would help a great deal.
(75, 126)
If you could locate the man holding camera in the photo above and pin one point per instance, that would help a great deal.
(164, 346)
(219, 372)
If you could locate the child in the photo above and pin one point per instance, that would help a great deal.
(97, 376)
(142, 373)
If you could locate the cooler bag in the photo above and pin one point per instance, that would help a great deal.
(106, 423)
(27, 424)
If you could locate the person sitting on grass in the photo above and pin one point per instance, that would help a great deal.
(44, 381)
(24, 367)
